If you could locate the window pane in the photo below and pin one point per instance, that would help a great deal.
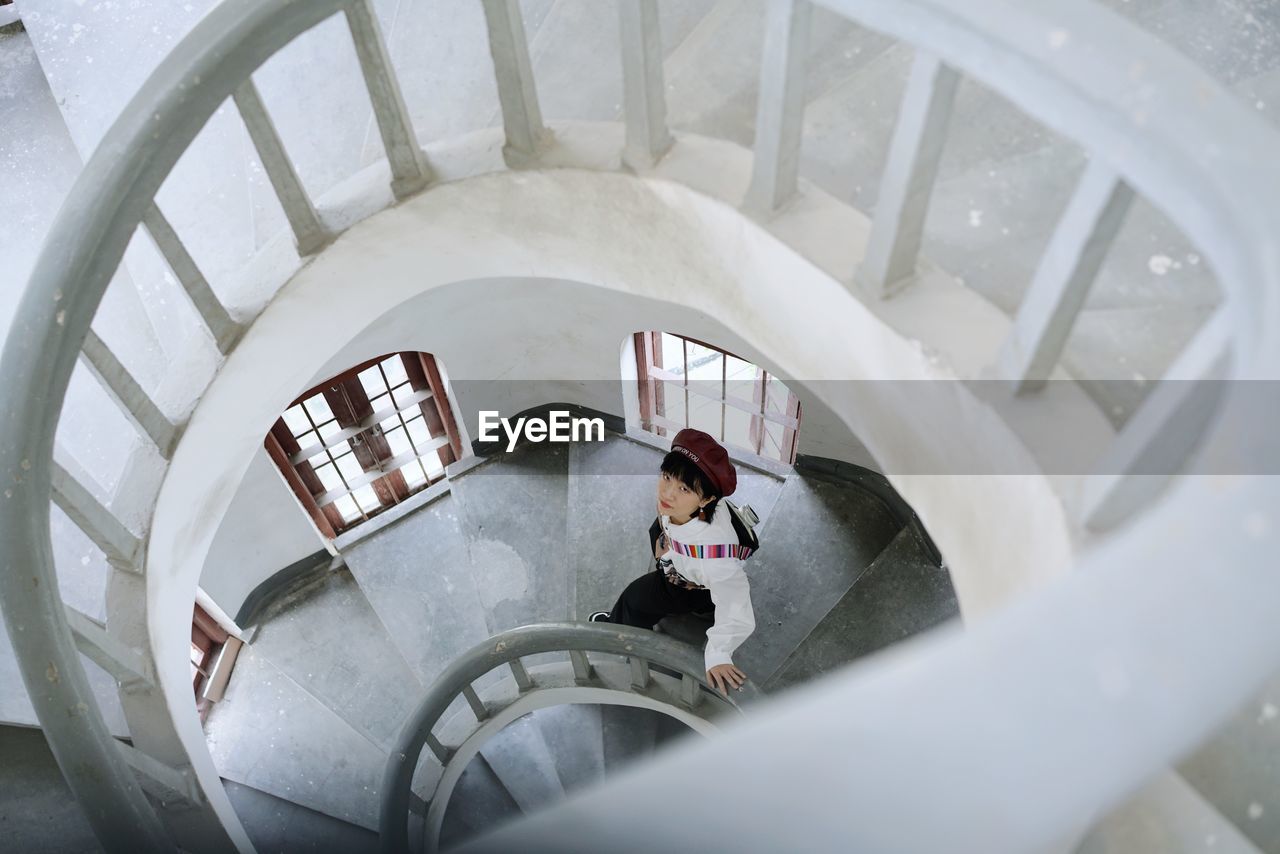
(329, 429)
(740, 381)
(390, 424)
(366, 498)
(350, 467)
(296, 420)
(398, 441)
(413, 474)
(403, 395)
(673, 408)
(318, 460)
(672, 353)
(419, 434)
(431, 462)
(329, 477)
(308, 440)
(381, 402)
(347, 507)
(318, 408)
(704, 415)
(777, 396)
(737, 428)
(371, 379)
(393, 367)
(704, 363)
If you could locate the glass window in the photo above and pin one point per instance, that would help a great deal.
(366, 498)
(393, 370)
(329, 477)
(383, 387)
(371, 381)
(296, 420)
(318, 408)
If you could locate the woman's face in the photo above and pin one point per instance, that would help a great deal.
(677, 500)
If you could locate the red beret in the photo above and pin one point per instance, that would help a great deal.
(709, 456)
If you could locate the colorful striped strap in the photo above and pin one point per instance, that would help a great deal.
(712, 551)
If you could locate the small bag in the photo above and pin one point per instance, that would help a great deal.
(745, 521)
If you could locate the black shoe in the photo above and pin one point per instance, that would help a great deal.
(599, 617)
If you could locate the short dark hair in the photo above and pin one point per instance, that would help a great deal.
(687, 472)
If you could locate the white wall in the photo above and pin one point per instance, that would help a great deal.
(508, 346)
(264, 531)
(562, 346)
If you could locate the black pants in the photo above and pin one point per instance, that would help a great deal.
(651, 597)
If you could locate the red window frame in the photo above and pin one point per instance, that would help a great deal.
(207, 640)
(654, 378)
(411, 387)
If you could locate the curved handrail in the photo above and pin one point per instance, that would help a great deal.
(500, 650)
(81, 253)
(1174, 133)
(1166, 137)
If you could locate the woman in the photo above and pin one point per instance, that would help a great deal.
(698, 555)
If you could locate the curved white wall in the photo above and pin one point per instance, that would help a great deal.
(660, 247)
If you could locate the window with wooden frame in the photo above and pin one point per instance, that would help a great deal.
(207, 640)
(689, 383)
(366, 440)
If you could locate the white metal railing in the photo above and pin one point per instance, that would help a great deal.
(658, 671)
(1205, 161)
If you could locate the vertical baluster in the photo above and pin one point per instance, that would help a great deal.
(581, 667)
(1063, 278)
(224, 330)
(521, 115)
(644, 96)
(780, 108)
(1159, 437)
(522, 676)
(121, 547)
(476, 704)
(308, 232)
(639, 673)
(133, 401)
(409, 169)
(914, 154)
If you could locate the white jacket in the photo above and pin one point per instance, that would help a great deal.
(722, 576)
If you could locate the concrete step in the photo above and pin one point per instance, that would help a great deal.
(271, 734)
(574, 733)
(671, 734)
(802, 568)
(479, 804)
(513, 517)
(329, 640)
(418, 577)
(521, 759)
(276, 824)
(901, 593)
(628, 735)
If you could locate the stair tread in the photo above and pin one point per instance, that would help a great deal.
(357, 672)
(900, 594)
(276, 824)
(573, 734)
(271, 734)
(801, 568)
(628, 735)
(479, 803)
(521, 759)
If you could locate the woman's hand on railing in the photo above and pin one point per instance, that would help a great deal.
(723, 676)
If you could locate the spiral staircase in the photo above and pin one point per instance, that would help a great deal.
(1107, 518)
